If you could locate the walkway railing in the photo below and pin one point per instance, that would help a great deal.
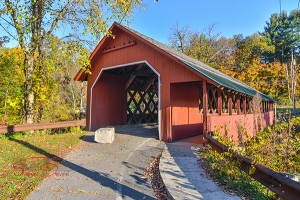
(32, 127)
(276, 182)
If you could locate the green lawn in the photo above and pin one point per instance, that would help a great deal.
(25, 160)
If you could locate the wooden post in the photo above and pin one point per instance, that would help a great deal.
(238, 104)
(271, 106)
(220, 106)
(205, 106)
(230, 103)
(244, 105)
(250, 105)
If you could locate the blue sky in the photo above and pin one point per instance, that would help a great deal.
(229, 16)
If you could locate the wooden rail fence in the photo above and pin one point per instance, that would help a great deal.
(31, 127)
(276, 182)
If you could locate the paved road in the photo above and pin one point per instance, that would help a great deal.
(105, 171)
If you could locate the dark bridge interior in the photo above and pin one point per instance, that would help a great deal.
(142, 93)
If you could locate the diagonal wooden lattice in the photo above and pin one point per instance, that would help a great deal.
(247, 105)
(142, 107)
(225, 102)
(201, 99)
(212, 99)
(234, 103)
(242, 104)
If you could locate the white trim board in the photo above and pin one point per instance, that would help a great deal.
(125, 65)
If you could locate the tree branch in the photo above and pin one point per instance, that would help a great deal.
(56, 20)
(17, 26)
(8, 32)
(11, 24)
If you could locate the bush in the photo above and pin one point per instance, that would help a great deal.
(276, 147)
(227, 172)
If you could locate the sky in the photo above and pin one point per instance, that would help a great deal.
(230, 17)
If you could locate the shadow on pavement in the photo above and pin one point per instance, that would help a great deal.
(184, 170)
(99, 177)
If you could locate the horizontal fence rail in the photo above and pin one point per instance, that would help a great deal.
(276, 182)
(32, 127)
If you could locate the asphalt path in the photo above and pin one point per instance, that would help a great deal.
(105, 171)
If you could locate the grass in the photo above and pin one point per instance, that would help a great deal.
(26, 159)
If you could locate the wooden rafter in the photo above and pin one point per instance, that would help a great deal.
(130, 80)
(148, 85)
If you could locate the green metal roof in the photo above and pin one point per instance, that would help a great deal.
(207, 71)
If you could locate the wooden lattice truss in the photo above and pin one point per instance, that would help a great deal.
(142, 93)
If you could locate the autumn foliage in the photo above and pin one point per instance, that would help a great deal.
(266, 61)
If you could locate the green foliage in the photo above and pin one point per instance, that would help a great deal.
(277, 147)
(249, 50)
(227, 172)
(57, 95)
(282, 31)
(33, 23)
(260, 60)
(11, 84)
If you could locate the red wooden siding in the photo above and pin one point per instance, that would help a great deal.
(178, 85)
(230, 122)
(109, 101)
(186, 119)
(169, 70)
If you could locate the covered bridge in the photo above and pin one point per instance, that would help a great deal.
(135, 79)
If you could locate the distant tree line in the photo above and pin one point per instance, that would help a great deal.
(37, 84)
(267, 61)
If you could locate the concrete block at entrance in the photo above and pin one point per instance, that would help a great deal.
(105, 135)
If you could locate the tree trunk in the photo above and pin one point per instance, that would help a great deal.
(288, 82)
(293, 74)
(81, 101)
(29, 94)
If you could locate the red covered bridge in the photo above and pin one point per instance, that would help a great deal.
(136, 79)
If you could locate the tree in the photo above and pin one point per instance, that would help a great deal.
(249, 50)
(3, 40)
(206, 46)
(240, 57)
(32, 22)
(59, 96)
(282, 31)
(11, 84)
(179, 37)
